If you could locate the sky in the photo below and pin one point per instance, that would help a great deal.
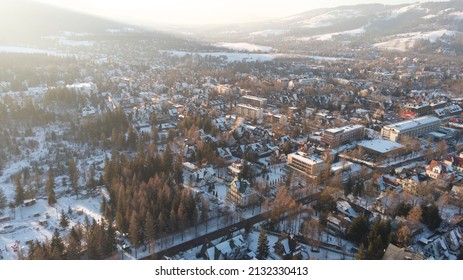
(198, 12)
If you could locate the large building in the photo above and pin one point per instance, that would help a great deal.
(342, 135)
(240, 193)
(249, 111)
(414, 128)
(302, 162)
(254, 101)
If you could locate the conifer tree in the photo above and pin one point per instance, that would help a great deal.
(56, 246)
(19, 195)
(361, 253)
(263, 249)
(133, 232)
(74, 176)
(51, 187)
(149, 231)
(64, 220)
(3, 201)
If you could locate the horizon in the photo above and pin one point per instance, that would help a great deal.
(203, 12)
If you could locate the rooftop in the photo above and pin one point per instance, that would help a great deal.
(306, 158)
(408, 124)
(380, 146)
(344, 128)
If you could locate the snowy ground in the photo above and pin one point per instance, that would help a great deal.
(26, 222)
(251, 240)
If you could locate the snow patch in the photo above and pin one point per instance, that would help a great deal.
(268, 32)
(327, 19)
(403, 42)
(329, 36)
(26, 50)
(243, 47)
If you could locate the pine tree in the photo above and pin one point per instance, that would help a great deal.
(64, 220)
(91, 182)
(74, 248)
(263, 249)
(56, 246)
(357, 229)
(361, 253)
(74, 176)
(150, 231)
(51, 187)
(349, 186)
(3, 201)
(19, 196)
(133, 232)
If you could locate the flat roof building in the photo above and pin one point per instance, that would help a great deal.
(254, 101)
(414, 128)
(249, 111)
(342, 135)
(304, 163)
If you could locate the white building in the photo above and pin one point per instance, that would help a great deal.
(414, 127)
(304, 163)
(249, 111)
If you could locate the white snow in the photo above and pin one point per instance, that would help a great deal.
(404, 41)
(229, 57)
(25, 225)
(457, 15)
(400, 11)
(27, 50)
(243, 47)
(268, 32)
(327, 19)
(329, 36)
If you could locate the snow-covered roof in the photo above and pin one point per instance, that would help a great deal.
(380, 146)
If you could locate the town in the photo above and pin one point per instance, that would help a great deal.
(130, 148)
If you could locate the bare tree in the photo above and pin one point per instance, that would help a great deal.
(403, 235)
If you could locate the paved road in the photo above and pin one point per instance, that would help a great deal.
(221, 232)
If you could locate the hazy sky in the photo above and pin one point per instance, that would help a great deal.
(202, 11)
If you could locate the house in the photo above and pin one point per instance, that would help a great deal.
(231, 249)
(225, 153)
(29, 202)
(287, 247)
(454, 161)
(240, 192)
(437, 170)
(345, 208)
(204, 176)
(397, 253)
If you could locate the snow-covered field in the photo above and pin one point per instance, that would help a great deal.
(27, 50)
(229, 57)
(405, 41)
(327, 19)
(329, 36)
(268, 32)
(37, 222)
(244, 47)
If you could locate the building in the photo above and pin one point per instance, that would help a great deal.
(254, 101)
(414, 128)
(381, 148)
(397, 253)
(305, 164)
(240, 192)
(438, 170)
(250, 112)
(334, 137)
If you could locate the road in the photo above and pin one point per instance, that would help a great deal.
(222, 232)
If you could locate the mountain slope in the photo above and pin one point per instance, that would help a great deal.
(367, 25)
(24, 20)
